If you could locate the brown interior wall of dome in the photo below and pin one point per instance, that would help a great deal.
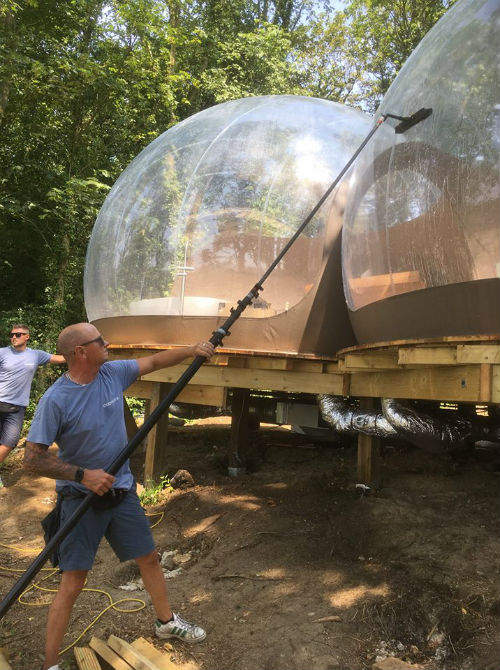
(469, 308)
(291, 279)
(318, 324)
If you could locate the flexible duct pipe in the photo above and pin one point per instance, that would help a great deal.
(426, 431)
(396, 420)
(345, 417)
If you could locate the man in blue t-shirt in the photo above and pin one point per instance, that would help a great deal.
(18, 365)
(83, 413)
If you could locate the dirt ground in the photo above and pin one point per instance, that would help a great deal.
(291, 566)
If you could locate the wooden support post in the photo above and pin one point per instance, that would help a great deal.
(368, 453)
(156, 457)
(238, 447)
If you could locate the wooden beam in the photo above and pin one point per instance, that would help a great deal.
(133, 657)
(485, 379)
(156, 457)
(109, 655)
(193, 393)
(203, 395)
(273, 380)
(153, 654)
(376, 360)
(139, 389)
(4, 664)
(132, 353)
(495, 385)
(427, 355)
(86, 658)
(459, 383)
(265, 363)
(442, 369)
(308, 366)
(368, 453)
(238, 442)
(478, 353)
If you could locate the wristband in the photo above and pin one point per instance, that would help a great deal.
(79, 475)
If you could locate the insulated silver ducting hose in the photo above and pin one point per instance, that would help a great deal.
(345, 417)
(396, 420)
(426, 431)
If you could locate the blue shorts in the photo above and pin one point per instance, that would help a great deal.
(11, 425)
(125, 527)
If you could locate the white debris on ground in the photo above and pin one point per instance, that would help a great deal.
(170, 562)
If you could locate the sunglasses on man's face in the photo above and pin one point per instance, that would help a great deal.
(99, 339)
(18, 334)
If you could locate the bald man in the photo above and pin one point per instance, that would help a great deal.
(83, 413)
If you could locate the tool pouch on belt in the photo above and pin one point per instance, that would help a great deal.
(50, 525)
(110, 499)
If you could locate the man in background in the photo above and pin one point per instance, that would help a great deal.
(18, 364)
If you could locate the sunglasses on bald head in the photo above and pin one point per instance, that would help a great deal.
(18, 334)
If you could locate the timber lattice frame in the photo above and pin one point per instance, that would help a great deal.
(453, 369)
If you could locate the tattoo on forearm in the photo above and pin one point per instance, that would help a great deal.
(37, 460)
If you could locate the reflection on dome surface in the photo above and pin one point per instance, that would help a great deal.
(423, 208)
(199, 215)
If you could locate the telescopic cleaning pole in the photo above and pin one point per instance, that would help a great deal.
(216, 339)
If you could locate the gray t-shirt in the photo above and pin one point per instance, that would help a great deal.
(17, 369)
(87, 421)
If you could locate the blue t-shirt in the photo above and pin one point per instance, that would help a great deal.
(17, 369)
(87, 422)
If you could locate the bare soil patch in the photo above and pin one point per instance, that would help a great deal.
(291, 566)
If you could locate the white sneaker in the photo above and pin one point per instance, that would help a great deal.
(180, 628)
(54, 667)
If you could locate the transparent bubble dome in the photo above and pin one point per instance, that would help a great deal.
(199, 215)
(423, 209)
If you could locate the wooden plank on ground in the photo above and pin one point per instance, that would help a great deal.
(86, 658)
(4, 664)
(134, 657)
(108, 654)
(153, 654)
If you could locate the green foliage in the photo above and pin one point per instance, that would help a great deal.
(84, 86)
(136, 406)
(154, 492)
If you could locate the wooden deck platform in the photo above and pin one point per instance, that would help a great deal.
(453, 369)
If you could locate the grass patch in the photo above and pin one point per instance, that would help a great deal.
(155, 492)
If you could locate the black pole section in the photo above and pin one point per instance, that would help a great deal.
(216, 339)
(321, 201)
